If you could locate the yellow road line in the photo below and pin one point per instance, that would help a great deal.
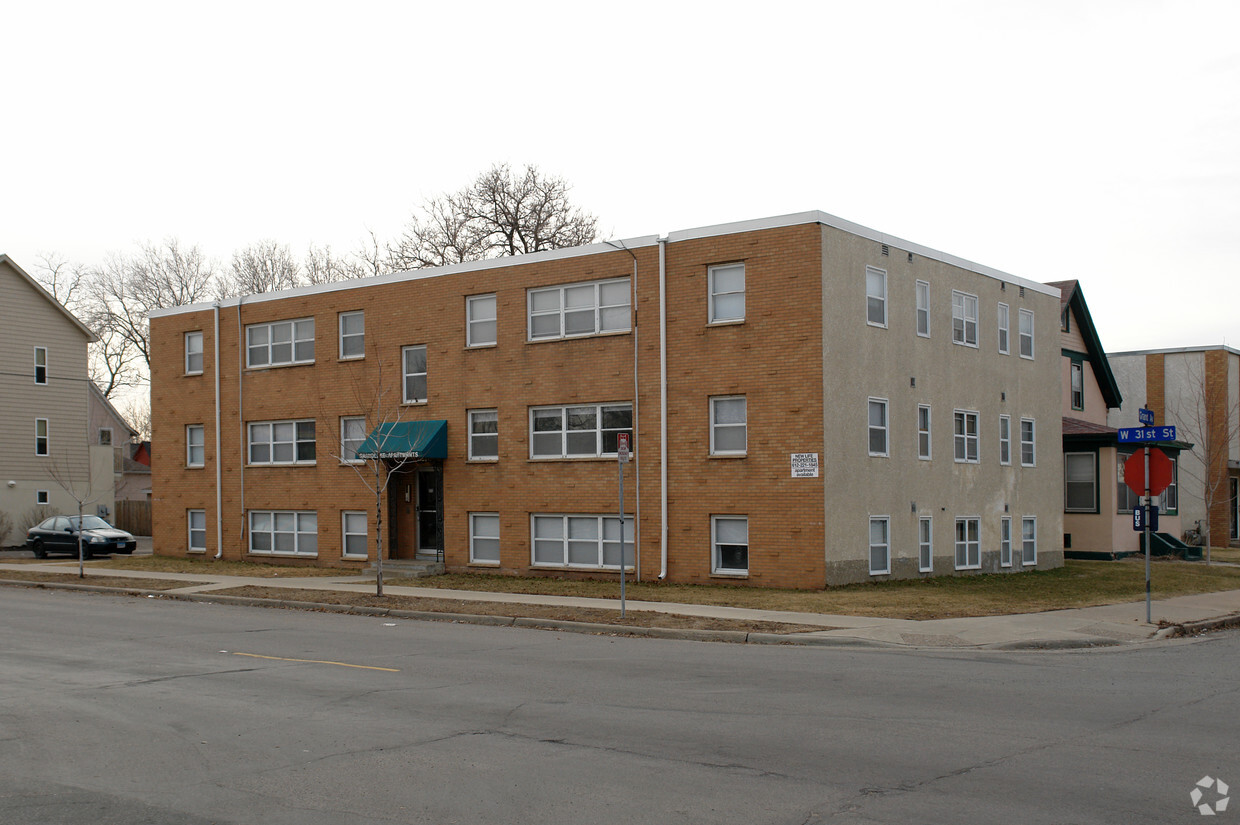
(317, 662)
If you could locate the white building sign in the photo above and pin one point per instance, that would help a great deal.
(805, 465)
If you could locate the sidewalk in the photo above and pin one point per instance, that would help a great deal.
(1106, 625)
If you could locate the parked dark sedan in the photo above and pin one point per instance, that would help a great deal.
(59, 534)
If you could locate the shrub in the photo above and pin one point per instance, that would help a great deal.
(6, 527)
(35, 515)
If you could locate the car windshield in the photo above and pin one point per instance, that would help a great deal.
(89, 523)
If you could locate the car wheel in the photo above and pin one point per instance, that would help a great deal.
(86, 554)
(40, 552)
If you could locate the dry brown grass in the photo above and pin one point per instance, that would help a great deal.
(205, 566)
(94, 580)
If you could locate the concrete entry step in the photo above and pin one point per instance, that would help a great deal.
(408, 568)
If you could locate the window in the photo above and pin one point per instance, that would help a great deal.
(1126, 499)
(1004, 325)
(968, 544)
(193, 353)
(1005, 542)
(353, 534)
(729, 539)
(483, 435)
(1026, 333)
(279, 343)
(195, 445)
(1005, 439)
(1027, 453)
(41, 497)
(40, 365)
(728, 433)
(1029, 540)
(105, 436)
(875, 296)
(40, 436)
(480, 330)
(925, 544)
(1078, 385)
(923, 431)
(880, 546)
(282, 442)
(579, 432)
(1169, 501)
(923, 309)
(727, 293)
(1065, 319)
(352, 335)
(484, 538)
(197, 524)
(284, 532)
(964, 319)
(878, 426)
(352, 434)
(415, 374)
(966, 441)
(1080, 488)
(579, 309)
(581, 541)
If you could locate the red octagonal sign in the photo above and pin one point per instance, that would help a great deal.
(1160, 471)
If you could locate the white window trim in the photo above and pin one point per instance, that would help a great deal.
(1022, 314)
(955, 557)
(926, 566)
(271, 462)
(42, 497)
(469, 427)
(886, 569)
(1004, 331)
(405, 374)
(965, 297)
(1076, 376)
(714, 425)
(344, 534)
(929, 453)
(1005, 441)
(201, 351)
(886, 427)
(293, 341)
(107, 430)
(37, 365)
(598, 431)
(1093, 464)
(883, 298)
(470, 320)
(715, 569)
(473, 534)
(1005, 541)
(1033, 442)
(297, 533)
(189, 445)
(712, 294)
(566, 564)
(344, 450)
(341, 335)
(977, 439)
(922, 287)
(597, 307)
(46, 438)
(1024, 562)
(189, 531)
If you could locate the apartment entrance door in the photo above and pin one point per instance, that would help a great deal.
(430, 512)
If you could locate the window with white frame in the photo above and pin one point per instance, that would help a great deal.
(352, 335)
(965, 436)
(483, 435)
(105, 436)
(197, 524)
(574, 310)
(40, 365)
(923, 431)
(352, 435)
(875, 296)
(1005, 541)
(878, 426)
(1126, 499)
(353, 542)
(1078, 385)
(282, 442)
(193, 353)
(41, 497)
(1004, 328)
(584, 431)
(414, 361)
(1028, 454)
(480, 321)
(1029, 540)
(726, 284)
(968, 543)
(195, 445)
(280, 343)
(581, 541)
(484, 538)
(41, 438)
(1169, 501)
(729, 540)
(1080, 483)
(964, 318)
(925, 544)
(1026, 333)
(923, 309)
(728, 427)
(880, 545)
(1005, 439)
(284, 532)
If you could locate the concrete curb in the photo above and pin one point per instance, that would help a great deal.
(1203, 626)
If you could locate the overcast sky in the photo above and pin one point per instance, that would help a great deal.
(1051, 140)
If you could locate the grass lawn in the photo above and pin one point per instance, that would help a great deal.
(206, 566)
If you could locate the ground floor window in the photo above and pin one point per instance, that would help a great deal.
(1029, 540)
(968, 544)
(1080, 490)
(880, 545)
(484, 538)
(353, 529)
(284, 532)
(925, 544)
(197, 520)
(1005, 542)
(581, 541)
(729, 538)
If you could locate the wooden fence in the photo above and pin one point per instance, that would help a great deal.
(134, 516)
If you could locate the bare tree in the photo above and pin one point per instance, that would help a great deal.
(265, 266)
(371, 255)
(81, 490)
(137, 414)
(322, 267)
(6, 527)
(499, 214)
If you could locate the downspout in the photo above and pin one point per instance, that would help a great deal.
(663, 408)
(637, 467)
(240, 412)
(219, 493)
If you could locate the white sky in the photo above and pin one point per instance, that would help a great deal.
(1052, 140)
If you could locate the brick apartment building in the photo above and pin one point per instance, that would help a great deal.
(811, 403)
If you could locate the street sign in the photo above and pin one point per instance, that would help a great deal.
(1138, 518)
(1160, 471)
(622, 448)
(1129, 435)
(1146, 417)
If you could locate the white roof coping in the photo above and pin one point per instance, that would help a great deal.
(1174, 351)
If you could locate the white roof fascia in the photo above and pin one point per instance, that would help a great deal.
(90, 336)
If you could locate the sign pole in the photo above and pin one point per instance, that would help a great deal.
(1147, 535)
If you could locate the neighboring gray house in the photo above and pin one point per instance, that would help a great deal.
(46, 407)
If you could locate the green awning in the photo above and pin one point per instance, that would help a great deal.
(407, 440)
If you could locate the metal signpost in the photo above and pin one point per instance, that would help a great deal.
(622, 458)
(1144, 516)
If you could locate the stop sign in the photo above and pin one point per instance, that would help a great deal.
(1160, 471)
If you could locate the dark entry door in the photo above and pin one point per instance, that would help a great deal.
(429, 517)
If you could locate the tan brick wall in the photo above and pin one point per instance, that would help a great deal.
(1219, 425)
(1156, 386)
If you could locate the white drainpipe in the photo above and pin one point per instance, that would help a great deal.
(663, 407)
(219, 493)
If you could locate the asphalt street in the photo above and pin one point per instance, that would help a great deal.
(122, 710)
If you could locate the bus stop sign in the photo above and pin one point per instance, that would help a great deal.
(1160, 471)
